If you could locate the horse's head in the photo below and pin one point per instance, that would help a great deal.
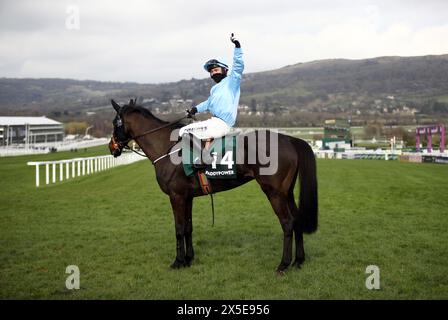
(120, 136)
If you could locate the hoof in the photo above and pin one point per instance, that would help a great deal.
(281, 273)
(298, 263)
(188, 262)
(177, 264)
(282, 268)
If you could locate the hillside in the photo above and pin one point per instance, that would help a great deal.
(393, 87)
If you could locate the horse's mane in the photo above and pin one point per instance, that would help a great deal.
(131, 108)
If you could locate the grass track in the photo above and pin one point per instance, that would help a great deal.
(118, 228)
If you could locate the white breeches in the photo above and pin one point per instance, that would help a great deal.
(211, 128)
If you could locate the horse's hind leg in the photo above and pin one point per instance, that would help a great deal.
(189, 256)
(298, 234)
(300, 251)
(279, 203)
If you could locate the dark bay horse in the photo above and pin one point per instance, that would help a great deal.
(296, 159)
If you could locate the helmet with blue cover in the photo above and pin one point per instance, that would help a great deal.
(213, 63)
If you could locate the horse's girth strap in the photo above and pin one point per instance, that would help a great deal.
(205, 185)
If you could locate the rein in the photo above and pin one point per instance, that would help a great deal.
(157, 129)
(125, 143)
(159, 158)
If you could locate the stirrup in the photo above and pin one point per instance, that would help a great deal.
(198, 164)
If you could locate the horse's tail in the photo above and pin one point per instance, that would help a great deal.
(308, 207)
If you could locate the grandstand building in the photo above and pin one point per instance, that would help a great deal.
(336, 135)
(29, 130)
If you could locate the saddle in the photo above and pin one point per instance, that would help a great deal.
(216, 162)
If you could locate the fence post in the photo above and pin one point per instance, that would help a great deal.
(47, 173)
(53, 176)
(37, 175)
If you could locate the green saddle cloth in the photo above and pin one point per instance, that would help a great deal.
(223, 151)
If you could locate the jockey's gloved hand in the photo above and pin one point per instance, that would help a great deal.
(192, 112)
(234, 41)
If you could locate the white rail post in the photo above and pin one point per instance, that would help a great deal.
(47, 173)
(37, 175)
(83, 167)
(67, 170)
(53, 176)
(73, 168)
(61, 171)
(79, 168)
(88, 166)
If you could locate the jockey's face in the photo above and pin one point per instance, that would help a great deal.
(215, 71)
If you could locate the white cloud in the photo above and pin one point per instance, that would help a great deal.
(154, 41)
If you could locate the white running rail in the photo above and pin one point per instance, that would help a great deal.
(76, 167)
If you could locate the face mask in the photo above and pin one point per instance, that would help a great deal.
(217, 77)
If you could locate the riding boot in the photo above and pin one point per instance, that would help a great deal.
(201, 158)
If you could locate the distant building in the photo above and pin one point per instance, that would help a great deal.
(29, 130)
(336, 134)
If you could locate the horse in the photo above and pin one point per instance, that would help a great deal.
(153, 136)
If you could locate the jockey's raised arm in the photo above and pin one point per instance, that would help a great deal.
(223, 100)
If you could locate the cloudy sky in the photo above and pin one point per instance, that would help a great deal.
(152, 41)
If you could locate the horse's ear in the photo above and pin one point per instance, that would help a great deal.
(116, 106)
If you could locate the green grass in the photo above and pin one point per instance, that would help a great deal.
(117, 226)
(443, 98)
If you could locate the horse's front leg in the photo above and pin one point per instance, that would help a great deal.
(179, 204)
(189, 232)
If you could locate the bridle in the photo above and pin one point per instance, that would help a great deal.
(120, 145)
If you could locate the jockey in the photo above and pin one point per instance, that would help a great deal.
(223, 100)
